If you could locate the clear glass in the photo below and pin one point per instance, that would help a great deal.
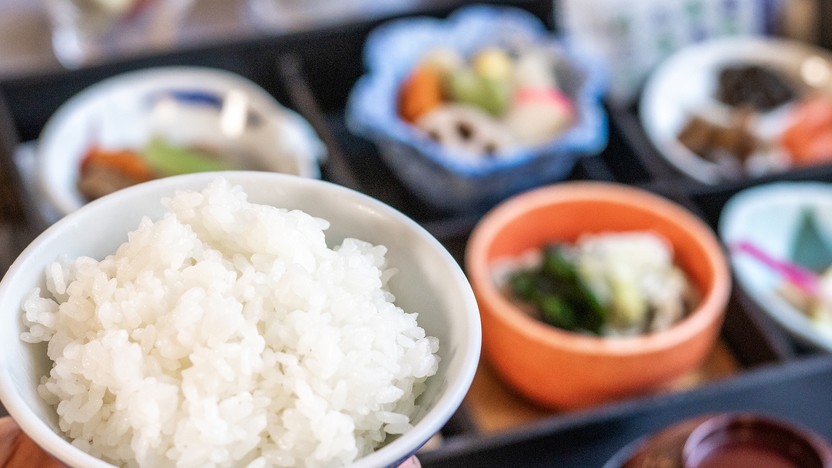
(89, 31)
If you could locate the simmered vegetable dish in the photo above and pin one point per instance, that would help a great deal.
(606, 284)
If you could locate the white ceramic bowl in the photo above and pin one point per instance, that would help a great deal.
(769, 217)
(125, 111)
(685, 84)
(429, 282)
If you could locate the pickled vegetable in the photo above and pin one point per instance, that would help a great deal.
(560, 295)
(171, 160)
(606, 285)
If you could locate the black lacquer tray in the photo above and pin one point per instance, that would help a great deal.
(313, 72)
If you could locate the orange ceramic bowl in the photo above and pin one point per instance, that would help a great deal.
(565, 370)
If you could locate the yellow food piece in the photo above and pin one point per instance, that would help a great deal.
(629, 304)
(493, 63)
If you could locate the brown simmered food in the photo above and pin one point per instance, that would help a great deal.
(712, 141)
(103, 172)
(755, 86)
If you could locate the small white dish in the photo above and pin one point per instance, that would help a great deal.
(685, 84)
(769, 216)
(189, 106)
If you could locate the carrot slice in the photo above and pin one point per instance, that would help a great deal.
(808, 139)
(125, 161)
(420, 93)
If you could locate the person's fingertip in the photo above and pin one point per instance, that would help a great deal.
(411, 462)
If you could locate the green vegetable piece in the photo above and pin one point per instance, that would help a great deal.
(558, 312)
(556, 265)
(598, 317)
(523, 285)
(489, 94)
(594, 314)
(590, 314)
(810, 250)
(556, 290)
(175, 160)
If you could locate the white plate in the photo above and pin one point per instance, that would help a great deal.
(117, 113)
(769, 216)
(685, 84)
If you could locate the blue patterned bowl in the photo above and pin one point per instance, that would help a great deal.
(434, 173)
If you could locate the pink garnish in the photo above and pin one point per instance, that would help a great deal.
(802, 278)
(552, 95)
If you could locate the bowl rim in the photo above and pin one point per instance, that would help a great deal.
(60, 198)
(767, 431)
(390, 454)
(710, 309)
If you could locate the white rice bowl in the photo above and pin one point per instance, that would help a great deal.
(228, 333)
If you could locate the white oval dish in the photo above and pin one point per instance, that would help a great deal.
(116, 113)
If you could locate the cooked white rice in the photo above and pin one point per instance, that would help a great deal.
(229, 334)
